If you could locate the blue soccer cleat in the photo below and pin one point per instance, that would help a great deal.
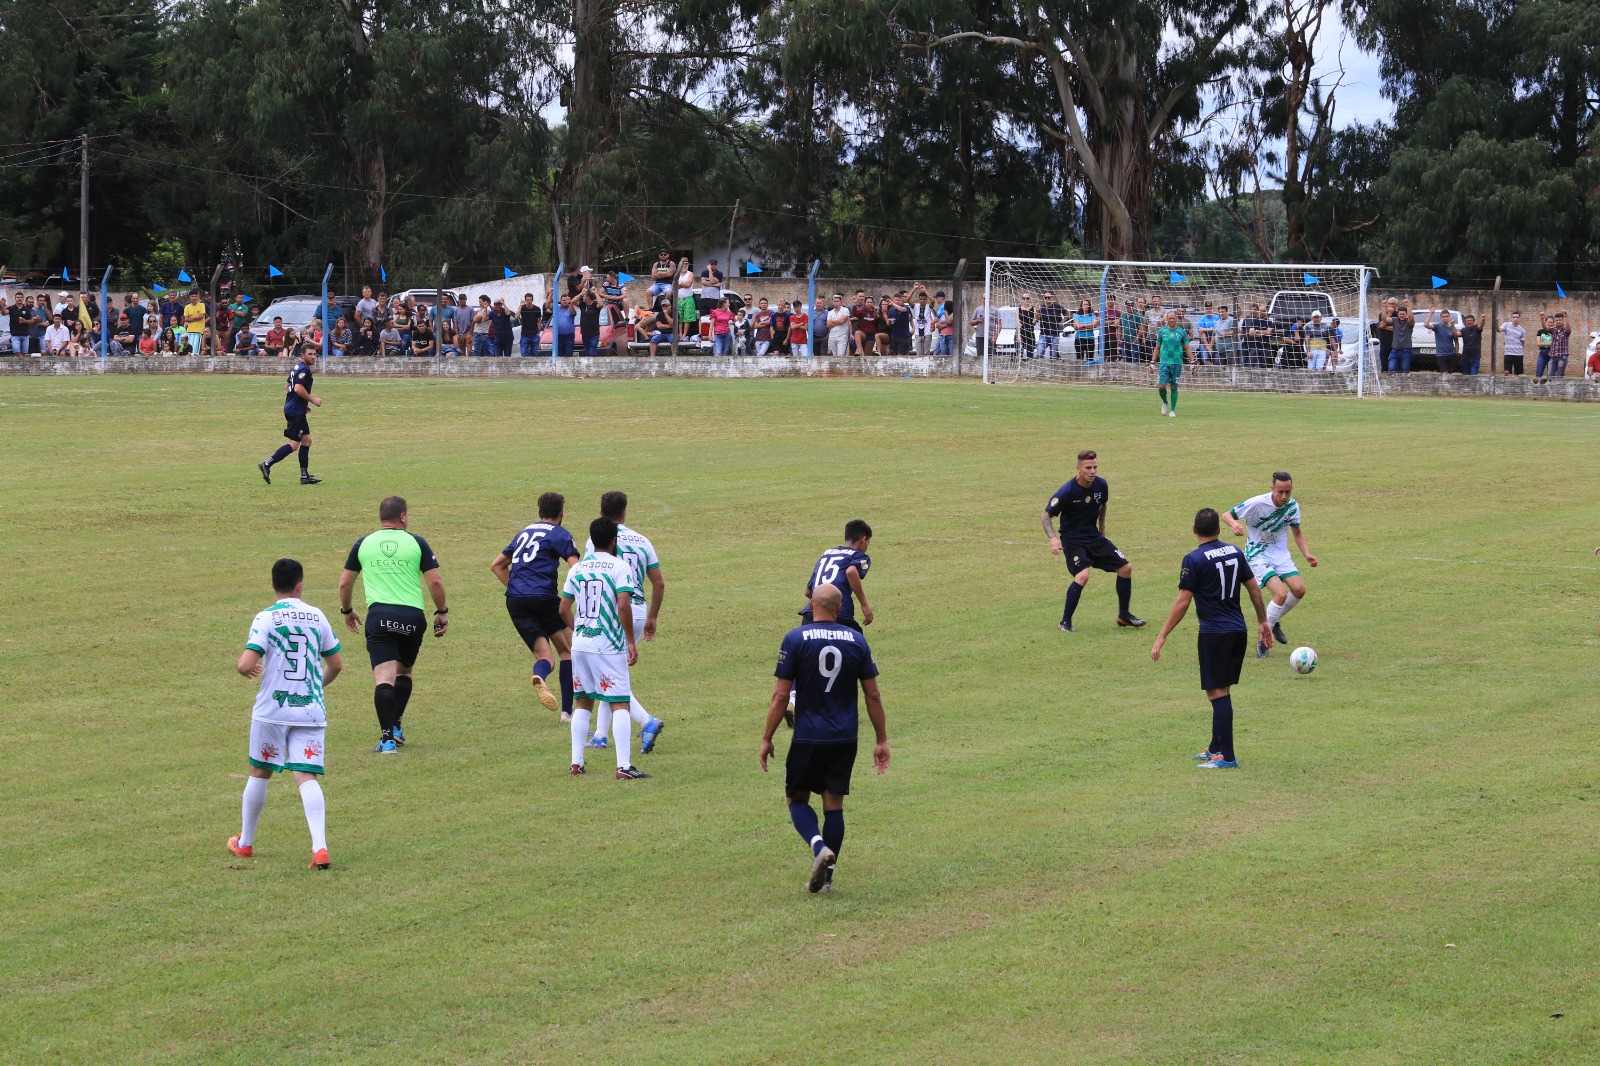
(599, 742)
(386, 747)
(399, 736)
(647, 737)
(1218, 764)
(1205, 756)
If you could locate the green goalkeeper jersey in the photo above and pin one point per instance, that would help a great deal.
(1174, 343)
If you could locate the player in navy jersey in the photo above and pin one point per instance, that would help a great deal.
(844, 568)
(1081, 504)
(1210, 579)
(297, 395)
(529, 568)
(822, 662)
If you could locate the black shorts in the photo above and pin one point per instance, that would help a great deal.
(1099, 553)
(850, 623)
(298, 426)
(535, 617)
(819, 768)
(1221, 658)
(394, 632)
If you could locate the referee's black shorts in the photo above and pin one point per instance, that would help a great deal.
(1099, 553)
(1221, 658)
(535, 617)
(298, 426)
(394, 632)
(819, 768)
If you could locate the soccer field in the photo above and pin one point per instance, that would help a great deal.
(1403, 871)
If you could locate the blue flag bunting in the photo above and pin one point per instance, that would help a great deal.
(1439, 282)
(624, 278)
(509, 272)
(1560, 291)
(246, 299)
(1309, 279)
(1176, 278)
(183, 275)
(64, 275)
(273, 272)
(383, 275)
(750, 267)
(158, 288)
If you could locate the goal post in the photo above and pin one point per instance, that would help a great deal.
(1262, 327)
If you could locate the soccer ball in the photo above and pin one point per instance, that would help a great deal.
(1304, 660)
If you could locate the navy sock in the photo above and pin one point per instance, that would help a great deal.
(305, 457)
(1074, 590)
(833, 829)
(1124, 594)
(805, 823)
(402, 696)
(566, 686)
(280, 455)
(541, 668)
(1222, 726)
(383, 701)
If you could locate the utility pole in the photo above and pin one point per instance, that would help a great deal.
(83, 218)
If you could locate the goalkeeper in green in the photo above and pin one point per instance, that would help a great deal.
(1171, 350)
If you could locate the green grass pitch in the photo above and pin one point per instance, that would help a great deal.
(1404, 871)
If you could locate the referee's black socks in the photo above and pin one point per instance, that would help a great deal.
(383, 702)
(1124, 595)
(1222, 726)
(402, 696)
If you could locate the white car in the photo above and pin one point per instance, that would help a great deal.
(297, 313)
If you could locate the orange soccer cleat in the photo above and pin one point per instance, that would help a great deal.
(319, 860)
(243, 852)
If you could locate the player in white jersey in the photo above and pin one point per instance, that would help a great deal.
(636, 550)
(294, 652)
(1268, 520)
(596, 605)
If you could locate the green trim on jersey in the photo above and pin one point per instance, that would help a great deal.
(305, 768)
(391, 568)
(258, 651)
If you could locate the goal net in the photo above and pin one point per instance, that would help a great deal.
(1251, 327)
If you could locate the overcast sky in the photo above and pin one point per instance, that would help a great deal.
(1359, 99)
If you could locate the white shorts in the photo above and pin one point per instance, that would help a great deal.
(600, 675)
(641, 614)
(1269, 560)
(279, 747)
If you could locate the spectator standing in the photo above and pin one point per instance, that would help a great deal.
(504, 336)
(1318, 337)
(1560, 346)
(1543, 339)
(531, 316)
(1383, 329)
(1400, 354)
(1227, 336)
(864, 324)
(1516, 335)
(722, 329)
(780, 328)
(819, 327)
(1113, 328)
(710, 288)
(589, 321)
(897, 316)
(1444, 340)
(1471, 344)
(987, 322)
(763, 327)
(366, 307)
(1591, 366)
(135, 312)
(482, 340)
(799, 331)
(688, 312)
(1051, 322)
(840, 325)
(924, 323)
(1027, 322)
(194, 321)
(1085, 324)
(20, 317)
(170, 308)
(564, 325)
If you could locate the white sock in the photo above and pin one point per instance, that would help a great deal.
(255, 798)
(316, 813)
(1274, 612)
(623, 741)
(1288, 604)
(602, 721)
(580, 733)
(640, 716)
